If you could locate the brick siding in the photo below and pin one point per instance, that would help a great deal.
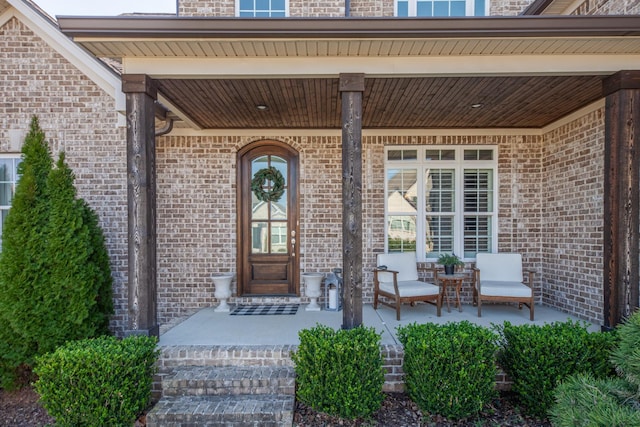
(77, 117)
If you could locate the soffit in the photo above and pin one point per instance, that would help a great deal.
(429, 102)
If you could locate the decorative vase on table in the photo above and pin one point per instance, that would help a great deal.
(222, 290)
(312, 282)
(449, 269)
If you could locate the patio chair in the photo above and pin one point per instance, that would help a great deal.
(396, 281)
(499, 278)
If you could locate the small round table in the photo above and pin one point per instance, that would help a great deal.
(454, 281)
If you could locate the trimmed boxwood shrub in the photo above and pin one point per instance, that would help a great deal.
(537, 358)
(450, 369)
(103, 381)
(340, 372)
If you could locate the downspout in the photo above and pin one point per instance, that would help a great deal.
(347, 8)
(168, 126)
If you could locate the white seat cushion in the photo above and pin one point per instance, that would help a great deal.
(404, 263)
(502, 267)
(492, 288)
(411, 288)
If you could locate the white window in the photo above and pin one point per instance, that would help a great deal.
(441, 199)
(426, 8)
(8, 178)
(262, 8)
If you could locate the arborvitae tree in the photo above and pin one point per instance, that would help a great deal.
(55, 280)
(78, 266)
(23, 272)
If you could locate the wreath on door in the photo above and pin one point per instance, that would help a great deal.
(277, 184)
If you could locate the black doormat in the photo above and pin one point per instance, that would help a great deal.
(257, 310)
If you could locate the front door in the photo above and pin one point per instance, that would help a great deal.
(268, 220)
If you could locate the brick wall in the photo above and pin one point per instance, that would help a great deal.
(573, 217)
(77, 117)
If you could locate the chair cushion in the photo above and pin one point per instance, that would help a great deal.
(404, 263)
(493, 288)
(411, 288)
(499, 267)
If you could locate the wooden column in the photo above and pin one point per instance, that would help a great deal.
(351, 88)
(141, 93)
(621, 197)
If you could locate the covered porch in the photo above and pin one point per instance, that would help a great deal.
(208, 328)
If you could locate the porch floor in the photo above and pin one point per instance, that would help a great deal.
(206, 327)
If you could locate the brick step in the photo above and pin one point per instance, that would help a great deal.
(226, 355)
(232, 380)
(205, 411)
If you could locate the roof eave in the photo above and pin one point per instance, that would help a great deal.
(172, 27)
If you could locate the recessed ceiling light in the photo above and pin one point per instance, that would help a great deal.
(262, 107)
(476, 105)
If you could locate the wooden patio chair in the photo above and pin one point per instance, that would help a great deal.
(499, 278)
(396, 280)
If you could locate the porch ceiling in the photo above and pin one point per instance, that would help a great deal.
(428, 102)
(520, 72)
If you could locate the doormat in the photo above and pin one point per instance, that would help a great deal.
(256, 310)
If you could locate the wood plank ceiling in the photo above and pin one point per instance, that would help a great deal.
(412, 102)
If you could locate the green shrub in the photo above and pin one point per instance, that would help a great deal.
(340, 372)
(55, 280)
(537, 358)
(583, 400)
(102, 381)
(449, 369)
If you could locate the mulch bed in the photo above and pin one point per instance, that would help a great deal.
(22, 409)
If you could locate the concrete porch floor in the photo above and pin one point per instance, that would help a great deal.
(206, 327)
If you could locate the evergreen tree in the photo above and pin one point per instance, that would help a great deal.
(55, 280)
(23, 272)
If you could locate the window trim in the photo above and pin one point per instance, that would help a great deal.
(458, 165)
(237, 10)
(413, 8)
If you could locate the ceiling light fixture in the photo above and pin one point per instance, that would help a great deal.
(262, 107)
(476, 105)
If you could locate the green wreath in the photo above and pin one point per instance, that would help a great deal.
(277, 184)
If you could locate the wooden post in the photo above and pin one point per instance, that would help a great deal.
(621, 198)
(141, 93)
(351, 88)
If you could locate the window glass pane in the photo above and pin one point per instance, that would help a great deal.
(262, 5)
(401, 233)
(440, 155)
(6, 194)
(6, 170)
(280, 164)
(441, 8)
(394, 155)
(278, 14)
(477, 235)
(478, 154)
(244, 14)
(403, 8)
(402, 190)
(246, 4)
(259, 163)
(440, 190)
(259, 237)
(262, 14)
(279, 208)
(279, 237)
(424, 8)
(478, 190)
(277, 5)
(478, 7)
(439, 235)
(458, 8)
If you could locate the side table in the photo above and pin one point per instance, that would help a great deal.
(451, 281)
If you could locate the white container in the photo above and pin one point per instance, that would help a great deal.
(312, 282)
(222, 290)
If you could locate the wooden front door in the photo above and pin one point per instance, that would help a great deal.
(268, 228)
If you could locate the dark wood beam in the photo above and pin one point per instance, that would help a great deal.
(141, 95)
(621, 197)
(351, 89)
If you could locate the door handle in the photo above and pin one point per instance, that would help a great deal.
(293, 245)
